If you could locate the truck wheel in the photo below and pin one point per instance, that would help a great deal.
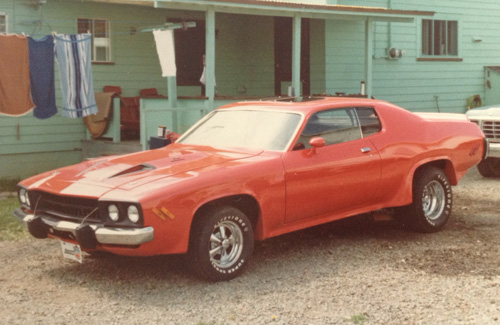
(489, 167)
(221, 244)
(432, 201)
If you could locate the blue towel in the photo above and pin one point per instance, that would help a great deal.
(75, 67)
(43, 91)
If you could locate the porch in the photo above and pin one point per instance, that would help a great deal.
(252, 61)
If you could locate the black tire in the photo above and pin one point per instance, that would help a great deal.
(432, 201)
(221, 244)
(489, 167)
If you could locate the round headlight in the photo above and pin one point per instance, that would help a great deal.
(22, 196)
(133, 213)
(113, 212)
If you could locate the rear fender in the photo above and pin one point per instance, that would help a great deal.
(444, 164)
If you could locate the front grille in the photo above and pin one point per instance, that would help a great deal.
(65, 207)
(491, 129)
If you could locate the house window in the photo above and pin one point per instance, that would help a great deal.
(101, 37)
(3, 22)
(439, 37)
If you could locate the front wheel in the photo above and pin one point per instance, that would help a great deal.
(221, 244)
(489, 167)
(432, 201)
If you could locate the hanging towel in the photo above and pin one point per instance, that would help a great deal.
(43, 91)
(75, 69)
(15, 96)
(98, 123)
(165, 47)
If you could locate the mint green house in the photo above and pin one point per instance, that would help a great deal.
(422, 55)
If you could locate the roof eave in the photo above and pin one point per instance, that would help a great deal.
(274, 8)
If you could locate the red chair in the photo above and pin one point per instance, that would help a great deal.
(129, 113)
(149, 92)
(130, 117)
(113, 89)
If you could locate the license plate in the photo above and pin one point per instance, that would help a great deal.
(72, 251)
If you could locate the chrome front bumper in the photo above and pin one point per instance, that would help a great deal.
(40, 226)
(493, 149)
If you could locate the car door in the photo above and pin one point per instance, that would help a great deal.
(341, 176)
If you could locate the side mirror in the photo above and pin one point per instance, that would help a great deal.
(317, 142)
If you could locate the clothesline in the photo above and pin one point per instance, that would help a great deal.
(27, 70)
(39, 23)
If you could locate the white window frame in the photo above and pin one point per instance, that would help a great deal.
(444, 52)
(5, 28)
(100, 42)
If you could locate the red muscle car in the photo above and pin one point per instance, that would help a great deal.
(254, 170)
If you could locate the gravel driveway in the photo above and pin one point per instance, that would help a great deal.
(350, 272)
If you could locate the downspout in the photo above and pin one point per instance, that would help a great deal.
(389, 30)
(369, 56)
(296, 46)
(210, 58)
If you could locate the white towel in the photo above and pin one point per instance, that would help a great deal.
(165, 47)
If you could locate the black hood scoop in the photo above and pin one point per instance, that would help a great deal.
(135, 169)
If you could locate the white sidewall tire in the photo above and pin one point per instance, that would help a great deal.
(432, 201)
(221, 244)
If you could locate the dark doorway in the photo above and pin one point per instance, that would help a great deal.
(283, 35)
(189, 51)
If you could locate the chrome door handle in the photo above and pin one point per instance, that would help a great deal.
(366, 149)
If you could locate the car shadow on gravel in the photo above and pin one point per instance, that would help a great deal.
(110, 268)
(319, 249)
(285, 249)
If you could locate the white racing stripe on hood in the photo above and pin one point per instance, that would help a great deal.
(84, 190)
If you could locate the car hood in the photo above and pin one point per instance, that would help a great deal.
(485, 113)
(96, 177)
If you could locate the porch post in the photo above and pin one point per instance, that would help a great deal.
(172, 91)
(369, 56)
(210, 55)
(296, 46)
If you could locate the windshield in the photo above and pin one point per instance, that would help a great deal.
(252, 129)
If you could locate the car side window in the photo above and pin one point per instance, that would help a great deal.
(369, 121)
(335, 126)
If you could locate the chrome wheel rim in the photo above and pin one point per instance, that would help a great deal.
(433, 200)
(226, 244)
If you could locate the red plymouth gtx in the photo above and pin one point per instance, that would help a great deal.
(254, 170)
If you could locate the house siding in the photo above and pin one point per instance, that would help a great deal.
(418, 85)
(244, 55)
(29, 145)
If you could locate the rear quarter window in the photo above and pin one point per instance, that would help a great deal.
(368, 120)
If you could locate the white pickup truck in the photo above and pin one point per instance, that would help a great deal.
(488, 119)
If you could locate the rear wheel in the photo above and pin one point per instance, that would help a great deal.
(489, 167)
(432, 201)
(221, 244)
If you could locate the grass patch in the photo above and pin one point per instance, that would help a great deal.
(8, 184)
(360, 318)
(10, 227)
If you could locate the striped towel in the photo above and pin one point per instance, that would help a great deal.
(75, 69)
